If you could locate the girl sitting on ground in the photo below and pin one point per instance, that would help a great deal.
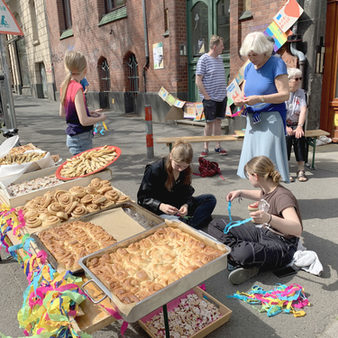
(166, 189)
(274, 243)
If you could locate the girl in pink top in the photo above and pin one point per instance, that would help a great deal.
(73, 105)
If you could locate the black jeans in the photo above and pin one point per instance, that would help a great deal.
(252, 246)
(201, 211)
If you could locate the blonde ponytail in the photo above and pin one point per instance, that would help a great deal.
(263, 167)
(75, 63)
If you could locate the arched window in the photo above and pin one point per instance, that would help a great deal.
(104, 74)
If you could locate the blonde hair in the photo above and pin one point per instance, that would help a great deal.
(263, 167)
(181, 152)
(256, 42)
(75, 63)
(215, 40)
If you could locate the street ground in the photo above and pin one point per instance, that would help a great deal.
(38, 123)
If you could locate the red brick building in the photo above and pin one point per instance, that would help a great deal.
(134, 47)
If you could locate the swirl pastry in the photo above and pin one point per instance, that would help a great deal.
(51, 220)
(32, 219)
(97, 199)
(65, 199)
(92, 207)
(96, 183)
(79, 211)
(104, 189)
(77, 191)
(86, 199)
(112, 195)
(54, 207)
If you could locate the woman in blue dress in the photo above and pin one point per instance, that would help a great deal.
(264, 92)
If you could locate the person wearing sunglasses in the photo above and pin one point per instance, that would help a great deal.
(295, 120)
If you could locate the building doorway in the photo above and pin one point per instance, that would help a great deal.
(132, 83)
(329, 105)
(206, 18)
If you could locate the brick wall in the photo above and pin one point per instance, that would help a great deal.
(116, 40)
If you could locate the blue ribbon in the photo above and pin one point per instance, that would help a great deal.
(232, 223)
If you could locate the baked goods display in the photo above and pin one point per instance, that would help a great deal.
(88, 162)
(191, 315)
(58, 206)
(22, 158)
(33, 185)
(22, 149)
(138, 270)
(71, 241)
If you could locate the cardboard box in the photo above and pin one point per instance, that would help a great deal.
(22, 199)
(225, 313)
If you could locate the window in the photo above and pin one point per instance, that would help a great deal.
(113, 4)
(166, 18)
(246, 10)
(35, 36)
(223, 23)
(67, 14)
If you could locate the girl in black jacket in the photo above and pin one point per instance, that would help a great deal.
(166, 189)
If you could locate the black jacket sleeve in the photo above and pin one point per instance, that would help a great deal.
(145, 195)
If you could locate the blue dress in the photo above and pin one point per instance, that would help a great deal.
(266, 137)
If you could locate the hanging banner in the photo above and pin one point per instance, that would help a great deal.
(158, 55)
(288, 15)
(277, 34)
(8, 24)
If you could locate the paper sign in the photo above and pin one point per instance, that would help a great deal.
(8, 24)
(163, 93)
(288, 15)
(277, 34)
(233, 91)
(199, 111)
(190, 110)
(170, 99)
(158, 55)
(179, 104)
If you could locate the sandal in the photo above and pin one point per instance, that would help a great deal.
(301, 176)
(291, 179)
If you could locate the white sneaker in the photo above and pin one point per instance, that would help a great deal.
(241, 275)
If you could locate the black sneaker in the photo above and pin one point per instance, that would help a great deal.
(241, 275)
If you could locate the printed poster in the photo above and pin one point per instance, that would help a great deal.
(288, 15)
(158, 55)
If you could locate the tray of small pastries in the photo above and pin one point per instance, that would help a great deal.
(88, 162)
(66, 243)
(147, 270)
(54, 207)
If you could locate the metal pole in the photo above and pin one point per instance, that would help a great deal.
(149, 129)
(9, 112)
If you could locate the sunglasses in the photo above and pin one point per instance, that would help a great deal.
(297, 78)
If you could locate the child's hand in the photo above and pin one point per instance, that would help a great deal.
(183, 210)
(168, 209)
(260, 217)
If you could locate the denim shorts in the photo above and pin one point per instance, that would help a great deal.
(80, 142)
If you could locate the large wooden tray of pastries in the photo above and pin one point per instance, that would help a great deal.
(149, 269)
(66, 243)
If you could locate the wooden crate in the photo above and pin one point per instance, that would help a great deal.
(225, 313)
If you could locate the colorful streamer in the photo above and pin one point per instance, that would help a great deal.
(283, 298)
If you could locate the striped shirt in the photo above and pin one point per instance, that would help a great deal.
(212, 70)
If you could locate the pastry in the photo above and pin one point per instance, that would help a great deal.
(77, 191)
(69, 242)
(79, 211)
(143, 267)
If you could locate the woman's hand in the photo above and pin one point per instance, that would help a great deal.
(289, 131)
(233, 194)
(239, 101)
(168, 209)
(183, 211)
(260, 217)
(299, 132)
(252, 100)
